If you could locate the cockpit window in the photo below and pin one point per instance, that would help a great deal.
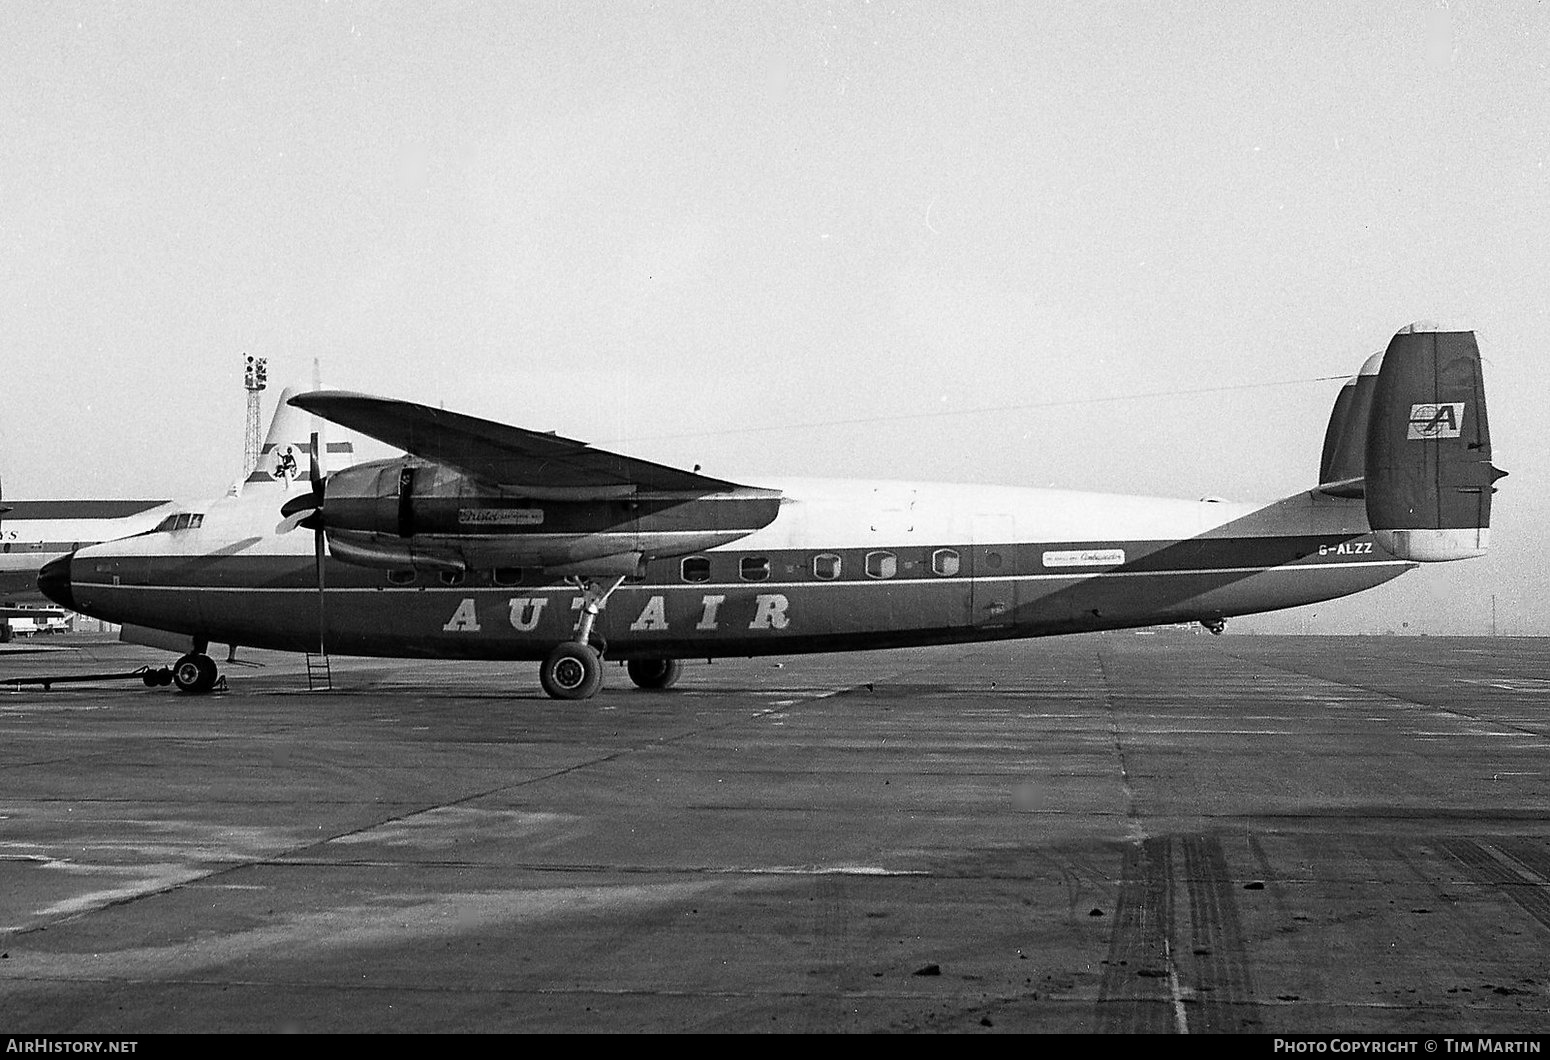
(180, 521)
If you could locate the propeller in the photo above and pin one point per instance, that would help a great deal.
(307, 509)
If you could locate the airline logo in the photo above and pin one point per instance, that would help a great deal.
(1436, 421)
(500, 516)
(1085, 557)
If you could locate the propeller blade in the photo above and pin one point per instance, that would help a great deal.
(318, 550)
(300, 511)
(314, 519)
(295, 519)
(316, 462)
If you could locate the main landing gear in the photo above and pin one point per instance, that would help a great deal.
(574, 670)
(655, 673)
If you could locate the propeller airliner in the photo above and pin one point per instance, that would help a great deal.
(487, 541)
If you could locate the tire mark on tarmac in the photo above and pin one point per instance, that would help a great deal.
(1224, 990)
(1530, 853)
(1530, 890)
(1147, 986)
(1134, 996)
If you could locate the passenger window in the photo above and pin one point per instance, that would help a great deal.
(507, 575)
(401, 577)
(881, 564)
(944, 561)
(696, 569)
(755, 568)
(826, 566)
(452, 577)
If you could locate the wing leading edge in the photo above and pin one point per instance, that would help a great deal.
(500, 454)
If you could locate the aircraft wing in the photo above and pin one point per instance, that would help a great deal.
(500, 454)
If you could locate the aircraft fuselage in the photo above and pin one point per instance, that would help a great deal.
(843, 565)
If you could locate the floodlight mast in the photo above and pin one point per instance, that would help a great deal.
(255, 377)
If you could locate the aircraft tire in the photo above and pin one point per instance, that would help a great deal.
(572, 671)
(655, 673)
(194, 674)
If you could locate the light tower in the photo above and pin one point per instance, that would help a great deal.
(254, 377)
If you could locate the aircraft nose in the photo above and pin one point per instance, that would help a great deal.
(54, 582)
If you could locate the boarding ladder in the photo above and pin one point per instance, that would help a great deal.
(320, 676)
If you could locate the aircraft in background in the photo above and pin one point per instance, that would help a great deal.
(34, 532)
(492, 542)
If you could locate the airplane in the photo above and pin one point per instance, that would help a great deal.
(486, 541)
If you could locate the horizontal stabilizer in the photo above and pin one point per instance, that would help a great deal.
(1350, 488)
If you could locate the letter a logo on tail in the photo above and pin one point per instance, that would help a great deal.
(1436, 421)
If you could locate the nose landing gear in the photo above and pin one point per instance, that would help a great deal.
(194, 674)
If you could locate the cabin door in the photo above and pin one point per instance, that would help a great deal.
(993, 568)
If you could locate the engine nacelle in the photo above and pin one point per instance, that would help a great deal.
(404, 513)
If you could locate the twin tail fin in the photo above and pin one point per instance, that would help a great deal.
(1410, 433)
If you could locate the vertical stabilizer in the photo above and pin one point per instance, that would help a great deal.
(1428, 464)
(286, 453)
(1345, 441)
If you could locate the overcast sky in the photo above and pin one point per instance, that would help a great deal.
(1024, 243)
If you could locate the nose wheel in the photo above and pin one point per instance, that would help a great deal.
(194, 674)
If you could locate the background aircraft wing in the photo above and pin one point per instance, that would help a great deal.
(500, 454)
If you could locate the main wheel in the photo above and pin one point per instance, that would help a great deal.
(655, 673)
(194, 674)
(572, 671)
